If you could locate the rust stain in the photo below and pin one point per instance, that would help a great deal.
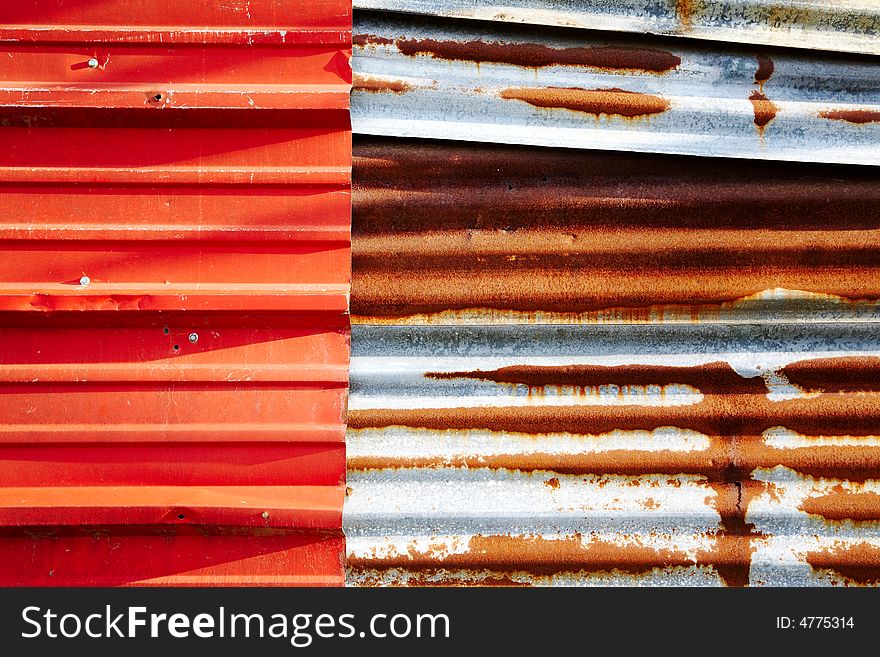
(684, 11)
(378, 85)
(852, 116)
(836, 375)
(706, 377)
(842, 505)
(534, 55)
(504, 560)
(859, 563)
(437, 578)
(612, 102)
(765, 110)
(732, 554)
(553, 482)
(765, 70)
(538, 556)
(734, 414)
(370, 40)
(715, 464)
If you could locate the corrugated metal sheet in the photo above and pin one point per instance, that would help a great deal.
(452, 233)
(614, 455)
(594, 368)
(497, 82)
(174, 292)
(850, 26)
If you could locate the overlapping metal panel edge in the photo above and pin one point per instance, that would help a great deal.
(469, 80)
(174, 293)
(543, 394)
(828, 25)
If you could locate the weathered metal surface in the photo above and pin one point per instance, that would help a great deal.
(451, 233)
(438, 78)
(595, 368)
(852, 26)
(713, 454)
(174, 335)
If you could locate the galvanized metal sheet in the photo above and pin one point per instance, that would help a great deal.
(463, 80)
(595, 368)
(174, 292)
(851, 26)
(579, 455)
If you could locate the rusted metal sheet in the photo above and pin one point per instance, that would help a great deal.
(465, 80)
(595, 368)
(705, 454)
(852, 26)
(174, 332)
(451, 233)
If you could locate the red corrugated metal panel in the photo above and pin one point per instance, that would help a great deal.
(176, 218)
(173, 292)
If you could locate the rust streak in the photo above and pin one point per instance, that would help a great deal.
(732, 554)
(734, 413)
(706, 377)
(436, 578)
(534, 55)
(859, 563)
(684, 11)
(370, 40)
(536, 555)
(765, 110)
(536, 559)
(841, 505)
(836, 375)
(716, 464)
(765, 69)
(378, 85)
(612, 102)
(852, 116)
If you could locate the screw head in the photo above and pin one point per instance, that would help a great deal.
(193, 337)
(93, 63)
(85, 280)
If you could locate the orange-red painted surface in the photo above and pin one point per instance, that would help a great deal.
(174, 279)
